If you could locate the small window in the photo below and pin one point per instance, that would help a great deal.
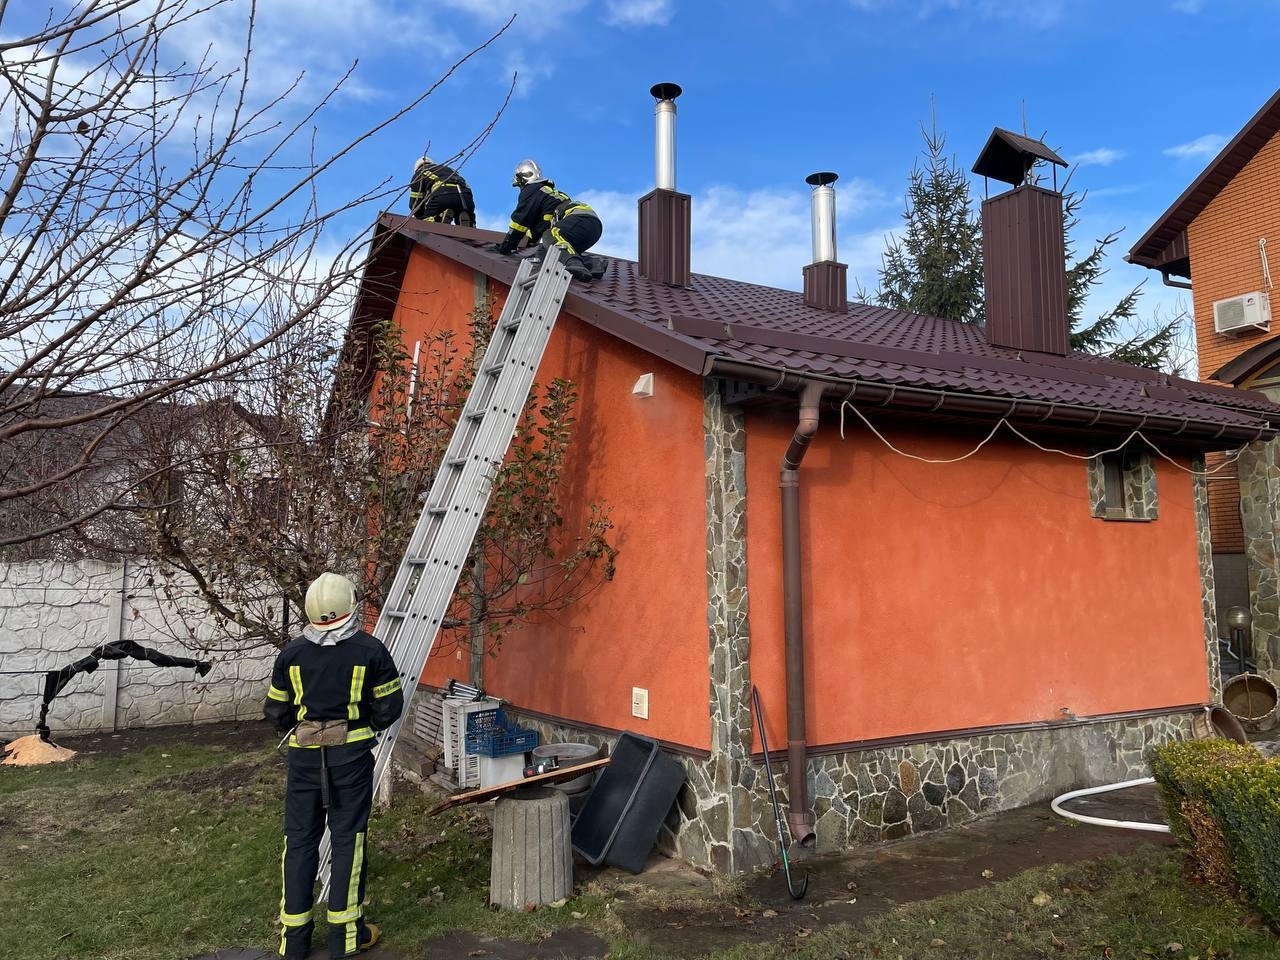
(1122, 484)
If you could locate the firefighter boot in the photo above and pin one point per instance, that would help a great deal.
(577, 269)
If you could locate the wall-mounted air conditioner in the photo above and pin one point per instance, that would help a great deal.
(1249, 311)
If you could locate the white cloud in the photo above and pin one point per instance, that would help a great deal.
(638, 13)
(534, 22)
(761, 236)
(1102, 157)
(1044, 13)
(1206, 146)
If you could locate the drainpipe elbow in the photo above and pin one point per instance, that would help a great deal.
(806, 428)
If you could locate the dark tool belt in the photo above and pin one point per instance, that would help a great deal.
(321, 733)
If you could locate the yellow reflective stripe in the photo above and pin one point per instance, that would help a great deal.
(575, 208)
(441, 183)
(344, 916)
(387, 688)
(282, 891)
(562, 242)
(357, 688)
(353, 890)
(519, 227)
(295, 919)
(275, 693)
(295, 678)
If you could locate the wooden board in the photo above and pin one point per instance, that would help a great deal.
(498, 789)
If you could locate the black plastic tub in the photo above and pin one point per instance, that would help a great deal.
(620, 819)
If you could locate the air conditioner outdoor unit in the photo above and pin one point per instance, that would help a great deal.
(1249, 311)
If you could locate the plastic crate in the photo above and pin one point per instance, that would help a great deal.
(491, 734)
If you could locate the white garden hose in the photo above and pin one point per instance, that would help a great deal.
(1103, 821)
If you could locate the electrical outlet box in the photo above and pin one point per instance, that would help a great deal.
(640, 703)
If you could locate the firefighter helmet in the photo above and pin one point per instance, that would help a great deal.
(331, 600)
(421, 162)
(527, 171)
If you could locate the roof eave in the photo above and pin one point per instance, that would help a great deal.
(1266, 122)
(1201, 434)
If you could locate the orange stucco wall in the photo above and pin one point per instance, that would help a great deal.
(1223, 241)
(941, 597)
(643, 456)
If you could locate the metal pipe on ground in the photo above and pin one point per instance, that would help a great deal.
(799, 817)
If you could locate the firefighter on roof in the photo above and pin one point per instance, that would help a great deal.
(439, 194)
(544, 214)
(332, 689)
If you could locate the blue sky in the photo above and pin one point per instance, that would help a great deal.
(1140, 93)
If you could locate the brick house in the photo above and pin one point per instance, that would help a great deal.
(1215, 235)
(934, 640)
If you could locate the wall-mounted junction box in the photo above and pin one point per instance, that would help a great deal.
(640, 703)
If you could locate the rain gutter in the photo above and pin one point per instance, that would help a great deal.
(931, 400)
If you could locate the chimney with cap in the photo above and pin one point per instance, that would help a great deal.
(664, 213)
(826, 282)
(1023, 248)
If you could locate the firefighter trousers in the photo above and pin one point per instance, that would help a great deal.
(350, 796)
(448, 205)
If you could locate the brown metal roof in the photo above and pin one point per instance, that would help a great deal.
(715, 320)
(1164, 246)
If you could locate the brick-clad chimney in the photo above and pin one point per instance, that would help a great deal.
(665, 214)
(826, 282)
(1023, 249)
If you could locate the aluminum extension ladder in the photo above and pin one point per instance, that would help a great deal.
(459, 495)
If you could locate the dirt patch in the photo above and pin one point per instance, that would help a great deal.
(224, 779)
(570, 943)
(869, 882)
(236, 735)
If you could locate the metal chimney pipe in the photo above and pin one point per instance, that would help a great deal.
(664, 140)
(824, 215)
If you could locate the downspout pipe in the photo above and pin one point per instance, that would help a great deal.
(799, 815)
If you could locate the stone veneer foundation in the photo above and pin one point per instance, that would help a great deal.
(1259, 468)
(865, 793)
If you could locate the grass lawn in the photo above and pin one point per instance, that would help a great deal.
(170, 851)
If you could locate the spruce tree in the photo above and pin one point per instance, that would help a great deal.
(935, 266)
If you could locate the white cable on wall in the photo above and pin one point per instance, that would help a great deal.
(1227, 461)
(1266, 268)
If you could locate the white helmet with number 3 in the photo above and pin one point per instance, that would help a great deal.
(331, 600)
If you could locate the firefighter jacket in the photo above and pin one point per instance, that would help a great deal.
(354, 680)
(435, 178)
(539, 206)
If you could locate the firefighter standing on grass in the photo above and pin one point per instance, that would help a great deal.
(545, 214)
(332, 688)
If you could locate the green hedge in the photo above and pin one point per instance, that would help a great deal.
(1222, 801)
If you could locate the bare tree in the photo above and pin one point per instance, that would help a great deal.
(161, 227)
(252, 499)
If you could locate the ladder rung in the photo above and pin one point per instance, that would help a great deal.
(457, 461)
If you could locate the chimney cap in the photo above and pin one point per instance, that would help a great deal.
(823, 178)
(1009, 156)
(665, 91)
